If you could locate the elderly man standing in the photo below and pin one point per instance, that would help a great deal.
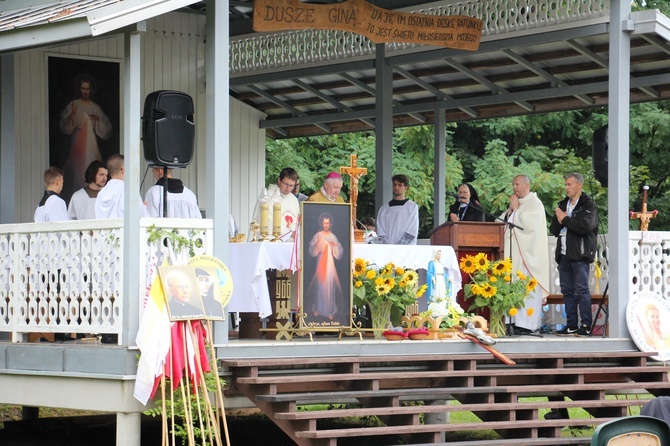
(528, 249)
(398, 220)
(330, 191)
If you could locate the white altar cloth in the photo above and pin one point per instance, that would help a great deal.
(249, 261)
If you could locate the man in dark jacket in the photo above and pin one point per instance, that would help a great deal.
(575, 223)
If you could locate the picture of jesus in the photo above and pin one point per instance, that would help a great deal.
(327, 265)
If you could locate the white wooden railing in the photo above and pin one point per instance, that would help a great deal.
(259, 52)
(67, 277)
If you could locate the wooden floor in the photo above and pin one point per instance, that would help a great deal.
(400, 389)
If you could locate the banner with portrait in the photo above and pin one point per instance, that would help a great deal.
(84, 103)
(325, 250)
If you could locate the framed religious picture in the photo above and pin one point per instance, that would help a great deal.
(83, 107)
(181, 292)
(215, 285)
(325, 250)
(648, 320)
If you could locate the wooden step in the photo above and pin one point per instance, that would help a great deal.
(421, 393)
(408, 374)
(429, 428)
(586, 441)
(440, 408)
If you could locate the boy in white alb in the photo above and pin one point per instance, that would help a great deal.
(52, 207)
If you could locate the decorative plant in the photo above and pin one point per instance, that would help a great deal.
(447, 309)
(494, 286)
(390, 284)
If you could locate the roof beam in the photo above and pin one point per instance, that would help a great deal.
(326, 98)
(365, 87)
(435, 91)
(546, 93)
(484, 81)
(544, 73)
(294, 111)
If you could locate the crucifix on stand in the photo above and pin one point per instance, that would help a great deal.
(644, 216)
(355, 173)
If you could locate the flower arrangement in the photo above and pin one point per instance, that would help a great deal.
(494, 286)
(391, 283)
(384, 288)
(449, 310)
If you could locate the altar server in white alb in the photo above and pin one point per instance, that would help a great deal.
(528, 248)
(181, 201)
(109, 203)
(398, 220)
(82, 203)
(290, 206)
(52, 207)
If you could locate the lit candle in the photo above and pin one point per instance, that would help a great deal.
(276, 219)
(265, 219)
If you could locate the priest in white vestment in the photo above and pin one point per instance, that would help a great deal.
(527, 247)
(290, 206)
(181, 201)
(398, 220)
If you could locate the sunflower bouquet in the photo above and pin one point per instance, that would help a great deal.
(494, 286)
(390, 284)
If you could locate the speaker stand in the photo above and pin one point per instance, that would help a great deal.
(165, 191)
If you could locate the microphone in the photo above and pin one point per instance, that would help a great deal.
(452, 194)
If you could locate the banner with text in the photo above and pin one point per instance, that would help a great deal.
(377, 24)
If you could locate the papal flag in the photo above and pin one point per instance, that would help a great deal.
(153, 335)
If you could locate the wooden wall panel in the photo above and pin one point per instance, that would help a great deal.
(173, 52)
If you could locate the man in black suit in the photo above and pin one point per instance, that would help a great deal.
(183, 303)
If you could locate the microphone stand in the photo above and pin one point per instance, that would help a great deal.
(511, 226)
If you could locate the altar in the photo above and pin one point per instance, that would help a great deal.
(249, 261)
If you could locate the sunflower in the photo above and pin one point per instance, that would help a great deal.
(371, 274)
(403, 282)
(467, 264)
(389, 282)
(412, 277)
(359, 267)
(379, 281)
(489, 290)
(507, 278)
(512, 311)
(502, 267)
(476, 289)
(521, 275)
(493, 279)
(481, 262)
(399, 271)
(422, 290)
(531, 284)
(358, 283)
(382, 290)
(388, 268)
(530, 312)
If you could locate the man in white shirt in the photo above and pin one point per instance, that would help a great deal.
(181, 201)
(398, 220)
(290, 207)
(82, 203)
(109, 203)
(52, 207)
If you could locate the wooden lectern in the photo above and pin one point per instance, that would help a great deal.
(471, 236)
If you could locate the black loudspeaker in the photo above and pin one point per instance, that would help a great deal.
(168, 129)
(600, 144)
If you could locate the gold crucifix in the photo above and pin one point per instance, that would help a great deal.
(355, 173)
(644, 216)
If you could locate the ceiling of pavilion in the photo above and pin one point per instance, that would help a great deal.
(517, 71)
(521, 66)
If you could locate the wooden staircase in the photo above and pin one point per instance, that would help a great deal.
(398, 389)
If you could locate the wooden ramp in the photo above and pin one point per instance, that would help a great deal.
(398, 389)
